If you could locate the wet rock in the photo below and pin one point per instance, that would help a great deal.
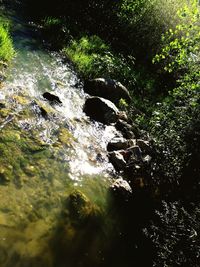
(53, 99)
(119, 143)
(5, 176)
(100, 109)
(117, 159)
(81, 209)
(121, 189)
(144, 145)
(2, 105)
(107, 88)
(127, 130)
(40, 110)
(2, 77)
(65, 137)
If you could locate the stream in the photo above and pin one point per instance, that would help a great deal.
(45, 160)
(55, 206)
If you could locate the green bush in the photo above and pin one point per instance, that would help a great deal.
(180, 53)
(144, 21)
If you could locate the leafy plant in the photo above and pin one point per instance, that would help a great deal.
(181, 51)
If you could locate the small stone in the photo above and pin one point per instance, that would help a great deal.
(125, 128)
(53, 99)
(121, 189)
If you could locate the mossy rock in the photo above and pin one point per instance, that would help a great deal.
(22, 100)
(81, 210)
(65, 137)
(5, 174)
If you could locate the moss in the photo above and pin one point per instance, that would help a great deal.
(81, 210)
(65, 137)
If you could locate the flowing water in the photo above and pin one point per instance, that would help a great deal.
(45, 158)
(55, 210)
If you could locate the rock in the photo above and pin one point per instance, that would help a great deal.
(121, 189)
(53, 99)
(123, 116)
(2, 105)
(136, 153)
(107, 88)
(144, 145)
(119, 143)
(39, 109)
(117, 159)
(100, 109)
(125, 128)
(81, 209)
(5, 176)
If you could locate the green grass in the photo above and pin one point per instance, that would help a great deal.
(94, 58)
(6, 46)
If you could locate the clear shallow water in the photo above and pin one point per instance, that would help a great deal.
(44, 160)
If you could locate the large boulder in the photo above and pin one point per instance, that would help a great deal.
(100, 109)
(107, 88)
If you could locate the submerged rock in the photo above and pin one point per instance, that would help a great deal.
(40, 110)
(5, 175)
(53, 99)
(2, 105)
(100, 109)
(107, 88)
(81, 209)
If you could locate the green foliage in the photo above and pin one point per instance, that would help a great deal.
(123, 105)
(181, 51)
(170, 124)
(6, 45)
(145, 21)
(51, 21)
(94, 58)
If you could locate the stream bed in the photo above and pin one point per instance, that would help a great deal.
(54, 172)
